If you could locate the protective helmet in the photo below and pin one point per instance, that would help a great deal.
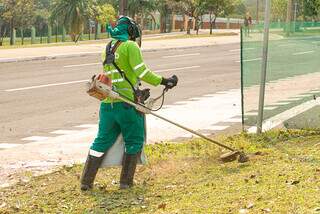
(134, 30)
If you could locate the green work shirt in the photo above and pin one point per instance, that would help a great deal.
(129, 59)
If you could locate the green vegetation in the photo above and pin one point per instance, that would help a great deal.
(105, 37)
(281, 177)
(43, 21)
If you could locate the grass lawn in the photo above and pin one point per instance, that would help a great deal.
(103, 40)
(283, 176)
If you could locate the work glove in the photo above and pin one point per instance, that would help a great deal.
(171, 82)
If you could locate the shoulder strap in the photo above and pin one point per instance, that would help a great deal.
(111, 50)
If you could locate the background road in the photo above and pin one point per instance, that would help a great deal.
(38, 97)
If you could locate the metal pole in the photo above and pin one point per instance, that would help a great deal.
(242, 86)
(264, 65)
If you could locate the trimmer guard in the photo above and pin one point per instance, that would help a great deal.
(114, 155)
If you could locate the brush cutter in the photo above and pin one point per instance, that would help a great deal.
(100, 90)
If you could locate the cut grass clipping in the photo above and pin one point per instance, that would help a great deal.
(281, 177)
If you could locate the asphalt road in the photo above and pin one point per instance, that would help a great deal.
(39, 97)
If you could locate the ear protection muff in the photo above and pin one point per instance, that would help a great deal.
(133, 28)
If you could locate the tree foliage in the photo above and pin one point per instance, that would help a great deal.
(73, 14)
(217, 8)
(18, 14)
(279, 10)
(311, 8)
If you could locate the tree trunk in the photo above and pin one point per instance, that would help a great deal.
(162, 23)
(96, 30)
(289, 12)
(11, 32)
(142, 21)
(211, 25)
(154, 21)
(22, 36)
(214, 22)
(189, 25)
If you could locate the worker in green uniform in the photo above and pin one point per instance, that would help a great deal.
(117, 117)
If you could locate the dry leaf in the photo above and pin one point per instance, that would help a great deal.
(162, 206)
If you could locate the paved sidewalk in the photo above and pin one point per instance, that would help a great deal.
(41, 53)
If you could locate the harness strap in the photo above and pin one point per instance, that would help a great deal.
(112, 50)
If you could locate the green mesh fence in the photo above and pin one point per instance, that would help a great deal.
(293, 75)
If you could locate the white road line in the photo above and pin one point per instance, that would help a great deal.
(245, 49)
(251, 60)
(188, 135)
(284, 116)
(8, 145)
(182, 103)
(251, 114)
(282, 103)
(270, 108)
(182, 55)
(82, 81)
(285, 45)
(301, 53)
(218, 128)
(80, 65)
(87, 126)
(209, 95)
(303, 95)
(44, 86)
(293, 99)
(233, 120)
(177, 69)
(64, 132)
(35, 138)
(195, 98)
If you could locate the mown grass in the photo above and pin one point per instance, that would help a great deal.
(281, 177)
(103, 40)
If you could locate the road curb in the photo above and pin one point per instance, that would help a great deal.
(84, 54)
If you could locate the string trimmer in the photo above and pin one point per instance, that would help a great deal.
(101, 90)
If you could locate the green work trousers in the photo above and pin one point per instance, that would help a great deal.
(119, 118)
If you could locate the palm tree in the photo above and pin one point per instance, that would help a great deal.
(73, 14)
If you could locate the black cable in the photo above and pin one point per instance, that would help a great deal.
(140, 104)
(162, 101)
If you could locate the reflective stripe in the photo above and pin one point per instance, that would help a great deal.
(117, 80)
(144, 73)
(110, 72)
(95, 153)
(138, 66)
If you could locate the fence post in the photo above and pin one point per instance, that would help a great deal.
(63, 38)
(228, 23)
(49, 33)
(33, 35)
(14, 35)
(98, 30)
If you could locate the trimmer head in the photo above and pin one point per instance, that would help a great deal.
(232, 156)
